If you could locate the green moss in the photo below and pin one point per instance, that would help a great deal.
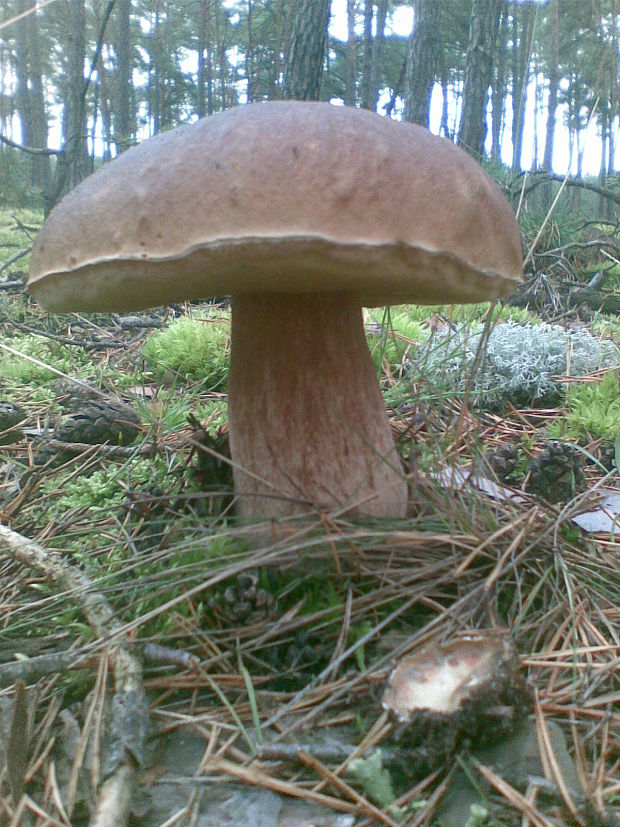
(194, 349)
(15, 370)
(102, 491)
(391, 335)
(593, 411)
(605, 325)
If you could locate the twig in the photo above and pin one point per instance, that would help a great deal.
(16, 257)
(32, 669)
(115, 794)
(30, 150)
(258, 778)
(343, 787)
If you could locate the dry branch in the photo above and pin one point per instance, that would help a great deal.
(115, 793)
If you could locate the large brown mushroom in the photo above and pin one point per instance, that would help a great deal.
(304, 213)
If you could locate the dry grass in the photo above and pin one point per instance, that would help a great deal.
(367, 593)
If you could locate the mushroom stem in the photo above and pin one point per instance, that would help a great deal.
(308, 426)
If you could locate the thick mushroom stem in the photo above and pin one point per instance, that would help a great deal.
(308, 426)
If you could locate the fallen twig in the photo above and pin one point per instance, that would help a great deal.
(115, 793)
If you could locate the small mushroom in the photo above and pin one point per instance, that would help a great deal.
(304, 213)
(441, 678)
(469, 690)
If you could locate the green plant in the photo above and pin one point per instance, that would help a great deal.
(391, 335)
(15, 173)
(608, 326)
(593, 411)
(195, 349)
(15, 370)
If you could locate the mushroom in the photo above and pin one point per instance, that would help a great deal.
(442, 678)
(303, 213)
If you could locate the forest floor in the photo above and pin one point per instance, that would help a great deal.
(163, 665)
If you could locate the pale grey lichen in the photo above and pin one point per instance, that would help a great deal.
(521, 363)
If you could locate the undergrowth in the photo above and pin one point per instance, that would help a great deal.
(593, 411)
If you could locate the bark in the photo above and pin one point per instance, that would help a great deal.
(483, 27)
(349, 92)
(552, 102)
(303, 69)
(249, 56)
(521, 45)
(221, 58)
(378, 49)
(124, 131)
(105, 109)
(275, 90)
(367, 98)
(602, 175)
(421, 62)
(74, 110)
(30, 95)
(201, 79)
(499, 87)
(155, 80)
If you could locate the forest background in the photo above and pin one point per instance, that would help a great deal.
(531, 84)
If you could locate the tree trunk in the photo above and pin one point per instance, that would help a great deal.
(483, 26)
(74, 112)
(303, 68)
(552, 102)
(30, 96)
(522, 42)
(421, 62)
(155, 79)
(124, 130)
(499, 87)
(378, 49)
(249, 57)
(201, 80)
(221, 58)
(367, 99)
(349, 90)
(602, 175)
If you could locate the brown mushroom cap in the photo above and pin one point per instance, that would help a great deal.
(281, 197)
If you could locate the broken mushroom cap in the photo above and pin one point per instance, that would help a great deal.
(302, 212)
(441, 678)
(275, 198)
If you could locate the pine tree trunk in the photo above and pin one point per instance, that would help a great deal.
(522, 42)
(483, 26)
(303, 69)
(123, 115)
(499, 86)
(351, 64)
(367, 98)
(552, 103)
(75, 165)
(30, 96)
(378, 49)
(421, 61)
(201, 80)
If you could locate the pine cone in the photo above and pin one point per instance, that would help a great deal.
(98, 421)
(504, 462)
(557, 472)
(607, 455)
(10, 417)
(244, 601)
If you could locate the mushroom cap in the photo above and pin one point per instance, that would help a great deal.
(441, 678)
(280, 197)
